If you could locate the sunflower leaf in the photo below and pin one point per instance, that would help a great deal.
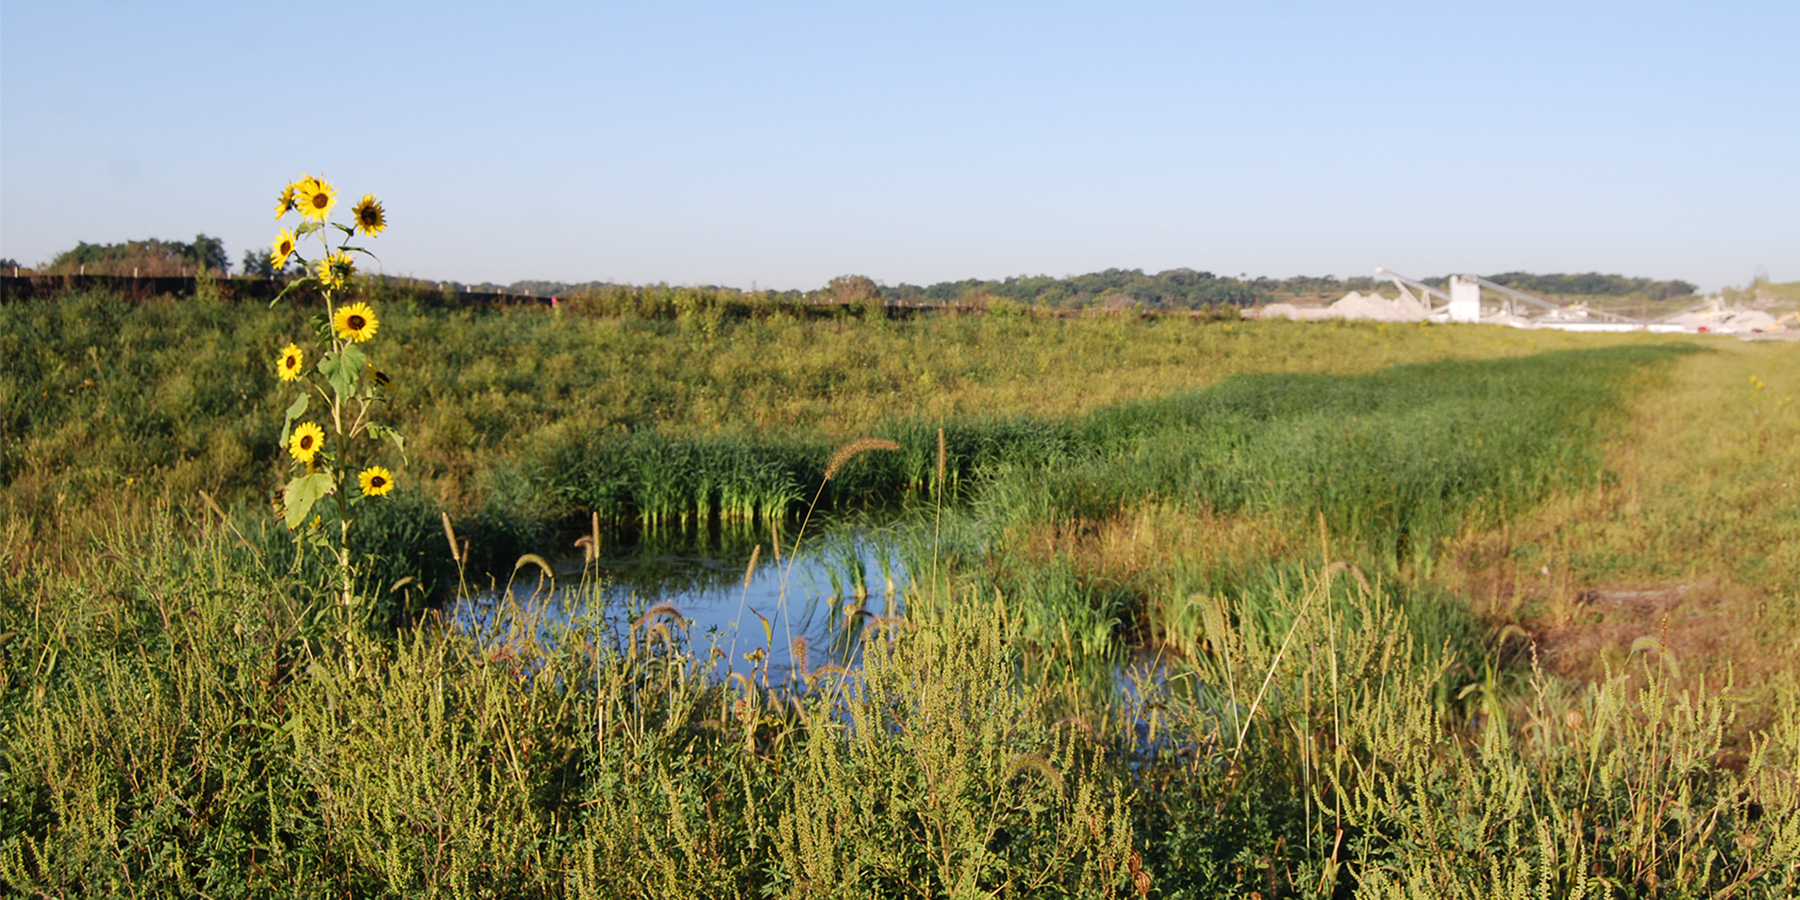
(295, 411)
(301, 494)
(298, 282)
(306, 228)
(347, 230)
(399, 441)
(348, 365)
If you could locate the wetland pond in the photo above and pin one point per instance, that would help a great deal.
(699, 581)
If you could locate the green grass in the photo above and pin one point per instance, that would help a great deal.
(110, 404)
(179, 720)
(1316, 533)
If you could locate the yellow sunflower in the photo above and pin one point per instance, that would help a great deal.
(289, 199)
(369, 218)
(283, 248)
(317, 196)
(289, 364)
(335, 270)
(355, 322)
(375, 481)
(305, 442)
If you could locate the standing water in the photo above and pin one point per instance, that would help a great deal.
(702, 584)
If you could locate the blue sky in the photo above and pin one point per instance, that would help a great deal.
(781, 144)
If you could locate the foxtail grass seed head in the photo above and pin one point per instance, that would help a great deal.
(852, 450)
(534, 560)
(668, 611)
(1031, 762)
(750, 569)
(942, 458)
(799, 649)
(450, 536)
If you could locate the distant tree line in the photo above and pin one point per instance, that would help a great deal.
(1174, 288)
(1310, 285)
(1113, 288)
(150, 258)
(1591, 284)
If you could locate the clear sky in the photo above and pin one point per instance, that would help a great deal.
(784, 143)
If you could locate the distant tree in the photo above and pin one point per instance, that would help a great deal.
(151, 257)
(1593, 284)
(257, 265)
(1171, 289)
(1669, 290)
(852, 289)
(209, 253)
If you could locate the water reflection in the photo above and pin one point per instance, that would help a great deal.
(702, 584)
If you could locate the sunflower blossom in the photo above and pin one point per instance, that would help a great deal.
(375, 481)
(289, 364)
(370, 220)
(289, 199)
(317, 196)
(283, 247)
(355, 322)
(335, 270)
(305, 442)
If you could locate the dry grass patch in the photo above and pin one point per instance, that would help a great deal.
(1694, 544)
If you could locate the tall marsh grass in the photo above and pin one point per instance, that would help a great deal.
(178, 721)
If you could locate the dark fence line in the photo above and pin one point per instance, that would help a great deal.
(32, 287)
(25, 288)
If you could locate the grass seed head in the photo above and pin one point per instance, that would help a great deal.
(450, 535)
(851, 450)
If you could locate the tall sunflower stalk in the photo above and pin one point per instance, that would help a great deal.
(337, 459)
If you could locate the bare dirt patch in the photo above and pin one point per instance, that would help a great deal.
(1695, 631)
